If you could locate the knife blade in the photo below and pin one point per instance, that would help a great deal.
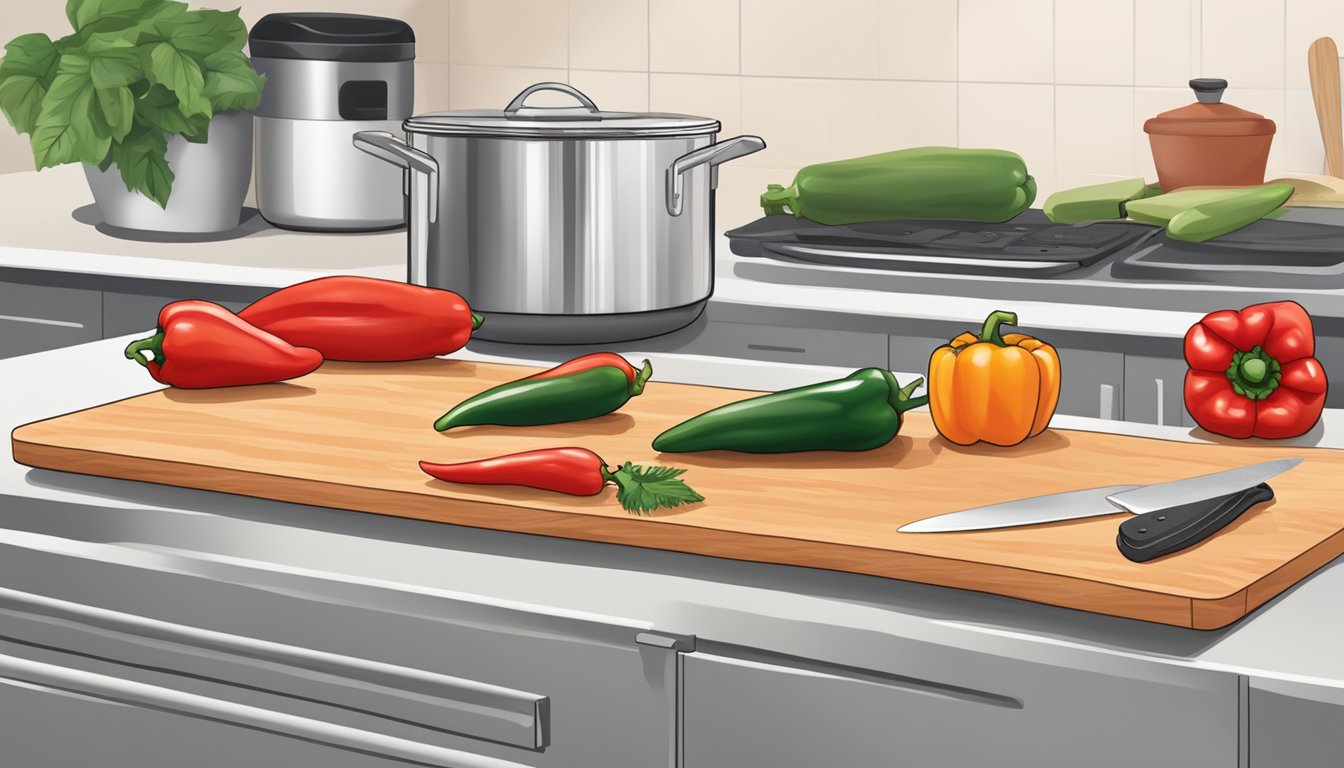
(1092, 502)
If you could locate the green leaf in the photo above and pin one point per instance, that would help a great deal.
(180, 74)
(644, 489)
(115, 65)
(26, 73)
(201, 33)
(82, 13)
(231, 82)
(158, 109)
(117, 106)
(65, 131)
(142, 161)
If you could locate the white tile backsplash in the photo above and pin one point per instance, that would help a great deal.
(1162, 42)
(919, 40)
(805, 38)
(1006, 41)
(1243, 42)
(1094, 42)
(1094, 132)
(1066, 83)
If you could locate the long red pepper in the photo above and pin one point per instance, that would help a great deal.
(365, 319)
(201, 345)
(577, 472)
(596, 360)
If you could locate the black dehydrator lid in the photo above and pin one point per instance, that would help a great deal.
(331, 37)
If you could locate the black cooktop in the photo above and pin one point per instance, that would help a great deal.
(1028, 245)
(1266, 254)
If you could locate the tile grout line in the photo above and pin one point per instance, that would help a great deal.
(956, 70)
(648, 55)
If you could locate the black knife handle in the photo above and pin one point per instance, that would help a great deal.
(1152, 535)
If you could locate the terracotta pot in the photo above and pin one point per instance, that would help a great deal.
(1209, 143)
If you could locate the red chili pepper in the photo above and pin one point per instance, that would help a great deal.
(200, 345)
(577, 472)
(595, 360)
(1253, 374)
(365, 319)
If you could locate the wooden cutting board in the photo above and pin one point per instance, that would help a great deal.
(350, 435)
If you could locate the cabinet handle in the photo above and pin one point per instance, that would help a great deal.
(40, 321)
(1161, 405)
(470, 708)
(1106, 401)
(117, 690)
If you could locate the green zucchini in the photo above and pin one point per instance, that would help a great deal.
(1095, 202)
(989, 185)
(1227, 214)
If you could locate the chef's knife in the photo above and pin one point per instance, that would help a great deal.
(1091, 502)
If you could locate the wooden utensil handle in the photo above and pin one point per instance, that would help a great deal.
(1323, 68)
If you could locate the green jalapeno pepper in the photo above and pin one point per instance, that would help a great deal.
(857, 413)
(582, 388)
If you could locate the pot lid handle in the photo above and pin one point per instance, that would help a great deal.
(556, 113)
(1209, 90)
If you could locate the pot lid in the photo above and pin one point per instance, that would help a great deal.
(1209, 116)
(331, 37)
(582, 121)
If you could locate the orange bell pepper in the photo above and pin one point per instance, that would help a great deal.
(1001, 389)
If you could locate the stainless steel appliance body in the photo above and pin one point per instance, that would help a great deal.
(329, 76)
(564, 226)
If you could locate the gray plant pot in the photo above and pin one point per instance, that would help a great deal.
(209, 185)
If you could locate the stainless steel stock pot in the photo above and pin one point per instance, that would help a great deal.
(563, 225)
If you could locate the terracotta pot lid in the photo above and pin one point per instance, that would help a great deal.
(1209, 116)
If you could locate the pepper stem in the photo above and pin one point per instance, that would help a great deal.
(153, 344)
(898, 397)
(641, 378)
(476, 320)
(991, 332)
(776, 199)
(1254, 374)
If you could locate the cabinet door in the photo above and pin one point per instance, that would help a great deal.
(35, 318)
(1295, 724)
(1154, 391)
(1092, 383)
(786, 713)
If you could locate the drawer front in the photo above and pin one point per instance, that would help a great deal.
(125, 313)
(748, 712)
(35, 318)
(807, 346)
(73, 718)
(382, 666)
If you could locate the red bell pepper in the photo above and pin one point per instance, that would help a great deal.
(577, 472)
(200, 345)
(1253, 374)
(365, 319)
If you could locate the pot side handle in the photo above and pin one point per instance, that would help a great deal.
(389, 148)
(713, 156)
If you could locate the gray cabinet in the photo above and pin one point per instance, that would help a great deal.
(35, 318)
(807, 346)
(1092, 383)
(965, 709)
(1155, 391)
(1295, 724)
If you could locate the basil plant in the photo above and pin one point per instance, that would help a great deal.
(131, 74)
